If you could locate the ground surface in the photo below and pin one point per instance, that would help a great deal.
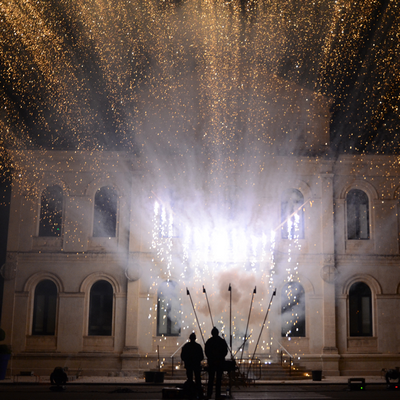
(121, 388)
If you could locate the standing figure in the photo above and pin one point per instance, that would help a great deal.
(192, 355)
(216, 350)
(392, 374)
(58, 378)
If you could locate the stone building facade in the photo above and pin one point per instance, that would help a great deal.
(90, 277)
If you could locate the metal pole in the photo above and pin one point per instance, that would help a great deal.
(262, 327)
(248, 320)
(209, 309)
(201, 333)
(230, 316)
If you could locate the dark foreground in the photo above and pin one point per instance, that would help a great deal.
(144, 392)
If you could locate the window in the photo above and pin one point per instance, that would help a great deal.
(100, 309)
(168, 225)
(292, 214)
(51, 205)
(105, 212)
(357, 215)
(168, 310)
(293, 311)
(168, 210)
(360, 310)
(44, 308)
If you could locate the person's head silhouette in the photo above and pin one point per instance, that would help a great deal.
(214, 331)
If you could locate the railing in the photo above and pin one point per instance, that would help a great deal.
(284, 353)
(250, 370)
(173, 356)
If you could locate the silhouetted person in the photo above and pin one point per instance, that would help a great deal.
(192, 355)
(58, 377)
(216, 349)
(392, 374)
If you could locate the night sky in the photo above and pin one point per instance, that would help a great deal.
(72, 73)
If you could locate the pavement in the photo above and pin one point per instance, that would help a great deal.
(135, 388)
(139, 380)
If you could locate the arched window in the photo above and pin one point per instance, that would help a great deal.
(360, 310)
(169, 211)
(357, 215)
(44, 308)
(293, 310)
(292, 214)
(105, 212)
(51, 206)
(168, 310)
(101, 309)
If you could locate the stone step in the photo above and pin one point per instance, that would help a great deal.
(273, 371)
